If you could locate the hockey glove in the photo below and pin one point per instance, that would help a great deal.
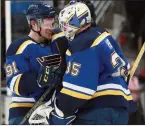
(48, 76)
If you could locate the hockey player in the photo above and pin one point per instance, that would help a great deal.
(28, 59)
(95, 89)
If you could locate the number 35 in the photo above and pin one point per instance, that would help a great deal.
(73, 68)
(11, 69)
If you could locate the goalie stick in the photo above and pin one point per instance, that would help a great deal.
(136, 63)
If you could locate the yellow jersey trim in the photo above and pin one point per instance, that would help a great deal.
(14, 105)
(16, 88)
(55, 36)
(97, 94)
(75, 94)
(112, 92)
(100, 38)
(68, 52)
(23, 46)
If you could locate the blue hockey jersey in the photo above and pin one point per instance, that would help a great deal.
(96, 74)
(22, 65)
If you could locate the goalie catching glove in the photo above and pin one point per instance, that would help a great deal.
(49, 113)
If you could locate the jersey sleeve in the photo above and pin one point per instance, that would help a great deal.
(111, 55)
(80, 81)
(119, 51)
(60, 40)
(61, 43)
(20, 80)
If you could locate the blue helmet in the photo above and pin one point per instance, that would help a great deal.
(40, 11)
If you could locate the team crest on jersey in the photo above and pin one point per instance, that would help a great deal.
(50, 61)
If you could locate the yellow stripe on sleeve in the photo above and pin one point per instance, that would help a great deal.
(14, 105)
(61, 34)
(75, 94)
(68, 52)
(23, 46)
(100, 38)
(16, 88)
(112, 92)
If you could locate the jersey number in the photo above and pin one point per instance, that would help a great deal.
(121, 71)
(11, 69)
(115, 58)
(73, 68)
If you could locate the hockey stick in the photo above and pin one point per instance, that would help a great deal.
(39, 102)
(136, 63)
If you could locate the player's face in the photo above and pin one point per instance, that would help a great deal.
(46, 28)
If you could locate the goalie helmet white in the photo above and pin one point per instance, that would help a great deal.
(73, 17)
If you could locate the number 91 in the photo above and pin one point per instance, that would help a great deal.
(11, 69)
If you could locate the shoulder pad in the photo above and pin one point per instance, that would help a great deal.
(102, 34)
(18, 46)
(101, 30)
(57, 33)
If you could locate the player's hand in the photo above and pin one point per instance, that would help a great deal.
(48, 76)
(134, 88)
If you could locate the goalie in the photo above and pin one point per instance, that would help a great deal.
(95, 89)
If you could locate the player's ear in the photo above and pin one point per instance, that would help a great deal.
(32, 22)
(34, 25)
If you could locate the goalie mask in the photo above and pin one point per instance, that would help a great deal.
(73, 17)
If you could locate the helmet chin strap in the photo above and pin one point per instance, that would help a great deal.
(38, 32)
(39, 21)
